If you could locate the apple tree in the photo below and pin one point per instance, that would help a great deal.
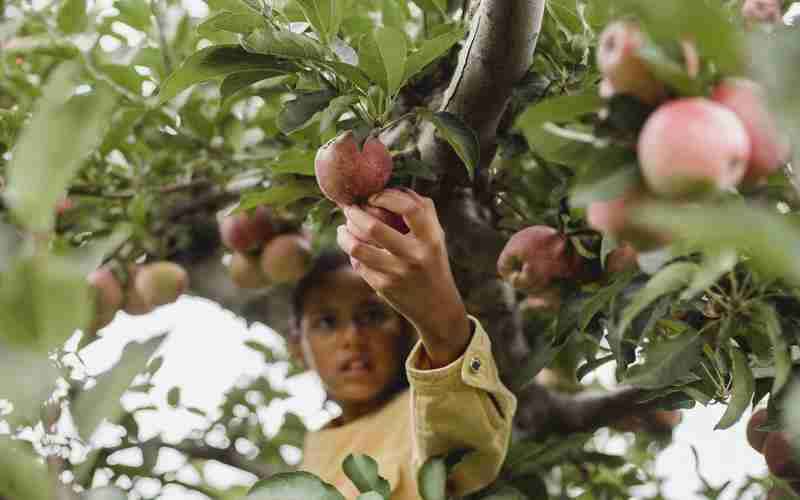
(614, 177)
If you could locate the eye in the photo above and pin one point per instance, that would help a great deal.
(374, 315)
(324, 323)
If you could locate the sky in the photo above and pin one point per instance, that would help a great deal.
(204, 354)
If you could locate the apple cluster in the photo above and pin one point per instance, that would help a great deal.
(261, 256)
(147, 286)
(688, 147)
(777, 451)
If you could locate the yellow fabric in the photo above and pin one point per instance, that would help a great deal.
(460, 406)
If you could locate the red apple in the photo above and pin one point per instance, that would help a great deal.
(619, 61)
(135, 304)
(779, 455)
(762, 11)
(161, 283)
(622, 258)
(537, 256)
(757, 437)
(246, 231)
(769, 148)
(286, 258)
(688, 146)
(108, 297)
(613, 217)
(63, 205)
(347, 175)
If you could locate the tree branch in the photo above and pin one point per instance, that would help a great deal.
(228, 456)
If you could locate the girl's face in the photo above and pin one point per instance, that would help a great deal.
(352, 339)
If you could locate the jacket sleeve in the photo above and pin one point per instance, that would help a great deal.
(462, 406)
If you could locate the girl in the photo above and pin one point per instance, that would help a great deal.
(393, 345)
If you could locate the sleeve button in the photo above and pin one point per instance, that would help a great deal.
(475, 364)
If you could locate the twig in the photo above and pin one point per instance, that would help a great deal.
(155, 7)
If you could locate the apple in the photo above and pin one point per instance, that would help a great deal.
(245, 231)
(347, 175)
(286, 258)
(769, 148)
(135, 304)
(756, 437)
(779, 455)
(245, 271)
(161, 283)
(620, 63)
(108, 296)
(762, 11)
(691, 145)
(537, 256)
(613, 217)
(622, 258)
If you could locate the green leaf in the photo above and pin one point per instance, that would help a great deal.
(135, 13)
(714, 266)
(102, 401)
(744, 386)
(505, 492)
(353, 74)
(43, 300)
(724, 44)
(72, 16)
(669, 71)
(281, 194)
(668, 280)
(218, 61)
(235, 82)
(51, 149)
(22, 474)
(234, 22)
(667, 361)
(294, 161)
(610, 177)
(772, 243)
(297, 113)
(337, 107)
(325, 16)
(104, 493)
(561, 109)
(462, 138)
(283, 43)
(432, 479)
(432, 49)
(436, 6)
(602, 298)
(382, 56)
(27, 379)
(363, 472)
(174, 397)
(766, 315)
(293, 486)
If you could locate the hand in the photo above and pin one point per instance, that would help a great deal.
(410, 271)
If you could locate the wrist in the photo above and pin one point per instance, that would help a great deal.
(447, 340)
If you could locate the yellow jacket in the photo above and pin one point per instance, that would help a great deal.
(460, 406)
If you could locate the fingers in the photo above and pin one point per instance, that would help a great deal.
(418, 211)
(366, 254)
(369, 228)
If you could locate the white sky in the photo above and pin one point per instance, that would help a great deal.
(205, 355)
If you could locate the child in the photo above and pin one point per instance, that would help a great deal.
(355, 325)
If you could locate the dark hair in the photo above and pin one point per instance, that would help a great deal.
(326, 262)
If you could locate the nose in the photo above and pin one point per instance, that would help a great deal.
(351, 334)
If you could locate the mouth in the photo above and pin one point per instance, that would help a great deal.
(356, 365)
